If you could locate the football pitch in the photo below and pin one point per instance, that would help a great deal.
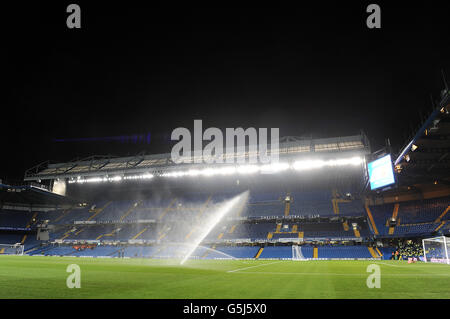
(45, 277)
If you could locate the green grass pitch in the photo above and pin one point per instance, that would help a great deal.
(45, 277)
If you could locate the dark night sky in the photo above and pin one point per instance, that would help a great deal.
(135, 70)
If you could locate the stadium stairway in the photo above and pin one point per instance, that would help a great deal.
(336, 200)
(394, 217)
(97, 211)
(395, 212)
(31, 220)
(107, 235)
(74, 234)
(345, 225)
(287, 208)
(28, 226)
(356, 232)
(315, 253)
(64, 214)
(391, 230)
(232, 229)
(66, 234)
(80, 231)
(379, 252)
(166, 210)
(203, 209)
(278, 228)
(130, 210)
(301, 234)
(440, 226)
(198, 216)
(259, 252)
(162, 235)
(372, 222)
(139, 233)
(269, 235)
(438, 220)
(188, 235)
(373, 253)
(29, 251)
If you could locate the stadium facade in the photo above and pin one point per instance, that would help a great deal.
(315, 199)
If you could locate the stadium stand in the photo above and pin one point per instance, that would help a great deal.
(156, 220)
(342, 252)
(327, 214)
(417, 217)
(276, 252)
(313, 203)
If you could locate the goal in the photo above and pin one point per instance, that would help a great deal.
(297, 253)
(15, 249)
(436, 249)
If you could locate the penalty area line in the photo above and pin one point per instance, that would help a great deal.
(235, 270)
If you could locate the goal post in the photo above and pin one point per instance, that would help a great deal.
(11, 249)
(297, 253)
(436, 249)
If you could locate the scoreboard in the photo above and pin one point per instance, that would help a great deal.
(381, 172)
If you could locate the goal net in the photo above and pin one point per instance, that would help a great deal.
(436, 249)
(15, 249)
(297, 253)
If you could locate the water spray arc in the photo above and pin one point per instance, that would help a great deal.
(213, 220)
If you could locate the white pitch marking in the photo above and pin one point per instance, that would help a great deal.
(381, 263)
(300, 273)
(407, 266)
(339, 274)
(276, 262)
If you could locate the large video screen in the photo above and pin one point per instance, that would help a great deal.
(381, 172)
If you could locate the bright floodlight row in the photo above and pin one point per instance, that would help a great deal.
(231, 170)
